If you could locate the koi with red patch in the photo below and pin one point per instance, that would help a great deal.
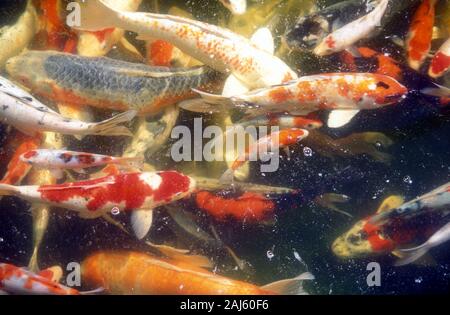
(124, 86)
(136, 192)
(266, 144)
(343, 93)
(141, 273)
(249, 206)
(440, 64)
(16, 280)
(62, 159)
(418, 40)
(216, 47)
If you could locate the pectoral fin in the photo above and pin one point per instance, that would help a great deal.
(339, 118)
(233, 87)
(141, 221)
(263, 39)
(289, 286)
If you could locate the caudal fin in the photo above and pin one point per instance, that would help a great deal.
(293, 286)
(97, 16)
(7, 190)
(110, 127)
(412, 255)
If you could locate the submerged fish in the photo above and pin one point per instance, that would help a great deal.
(57, 160)
(237, 7)
(107, 83)
(16, 36)
(395, 225)
(216, 47)
(27, 114)
(418, 41)
(440, 64)
(136, 192)
(266, 144)
(145, 274)
(344, 37)
(16, 280)
(343, 93)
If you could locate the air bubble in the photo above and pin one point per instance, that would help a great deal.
(115, 211)
(307, 151)
(270, 254)
(407, 179)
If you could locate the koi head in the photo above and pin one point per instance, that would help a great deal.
(363, 239)
(19, 68)
(378, 90)
(308, 122)
(291, 136)
(307, 33)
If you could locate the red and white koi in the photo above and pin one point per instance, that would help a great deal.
(237, 7)
(16, 280)
(136, 192)
(216, 47)
(343, 93)
(440, 64)
(57, 160)
(21, 110)
(418, 40)
(344, 37)
(278, 139)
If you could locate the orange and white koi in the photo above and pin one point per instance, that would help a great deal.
(136, 192)
(440, 64)
(344, 37)
(418, 40)
(309, 122)
(141, 273)
(16, 280)
(237, 7)
(27, 114)
(216, 47)
(57, 160)
(278, 139)
(343, 93)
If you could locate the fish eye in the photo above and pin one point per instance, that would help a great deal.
(383, 85)
(353, 239)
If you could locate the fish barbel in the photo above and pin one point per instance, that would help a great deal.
(107, 83)
(216, 47)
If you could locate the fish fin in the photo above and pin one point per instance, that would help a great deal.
(57, 173)
(391, 202)
(413, 255)
(263, 40)
(291, 286)
(354, 51)
(215, 99)
(116, 223)
(79, 137)
(132, 163)
(438, 91)
(288, 152)
(182, 255)
(97, 16)
(199, 106)
(227, 178)
(339, 118)
(233, 86)
(53, 273)
(95, 291)
(337, 24)
(110, 127)
(8, 190)
(398, 41)
(141, 221)
(186, 221)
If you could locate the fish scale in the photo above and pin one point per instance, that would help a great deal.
(102, 81)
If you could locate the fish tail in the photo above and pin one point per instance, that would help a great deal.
(131, 162)
(209, 103)
(97, 16)
(110, 127)
(8, 190)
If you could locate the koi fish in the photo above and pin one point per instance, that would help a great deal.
(395, 225)
(125, 86)
(216, 47)
(57, 160)
(351, 33)
(247, 207)
(16, 280)
(237, 7)
(438, 238)
(146, 274)
(15, 36)
(278, 139)
(309, 122)
(440, 63)
(418, 40)
(313, 29)
(136, 192)
(343, 93)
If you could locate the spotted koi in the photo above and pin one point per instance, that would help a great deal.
(440, 64)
